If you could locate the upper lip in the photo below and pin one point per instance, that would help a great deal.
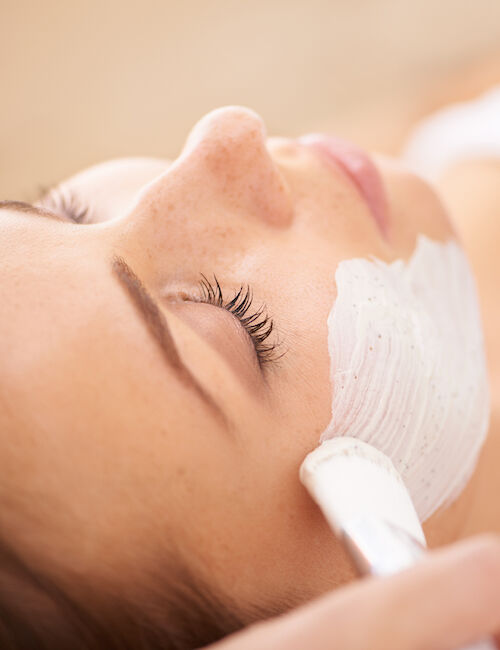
(359, 167)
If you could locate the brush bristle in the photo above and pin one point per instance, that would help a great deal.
(349, 478)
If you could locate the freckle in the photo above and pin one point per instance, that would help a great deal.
(371, 347)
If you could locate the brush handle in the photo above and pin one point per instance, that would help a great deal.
(380, 549)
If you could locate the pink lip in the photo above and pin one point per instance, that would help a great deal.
(360, 169)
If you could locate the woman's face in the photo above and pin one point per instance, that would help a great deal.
(132, 432)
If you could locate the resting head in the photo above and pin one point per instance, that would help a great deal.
(165, 368)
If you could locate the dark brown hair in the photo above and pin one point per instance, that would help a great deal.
(38, 614)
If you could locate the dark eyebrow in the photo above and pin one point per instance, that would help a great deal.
(157, 325)
(28, 208)
(146, 307)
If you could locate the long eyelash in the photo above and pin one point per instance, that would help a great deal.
(258, 324)
(66, 203)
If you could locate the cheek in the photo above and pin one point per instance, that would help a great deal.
(303, 404)
(308, 407)
(415, 207)
(263, 537)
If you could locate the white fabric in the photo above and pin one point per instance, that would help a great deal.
(456, 132)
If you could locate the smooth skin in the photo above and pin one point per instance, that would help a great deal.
(109, 460)
(447, 601)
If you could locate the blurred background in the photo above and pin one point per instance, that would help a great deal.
(83, 81)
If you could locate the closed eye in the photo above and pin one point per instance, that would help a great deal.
(257, 323)
(66, 203)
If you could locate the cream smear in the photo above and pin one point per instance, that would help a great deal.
(408, 367)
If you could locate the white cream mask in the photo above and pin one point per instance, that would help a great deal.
(408, 367)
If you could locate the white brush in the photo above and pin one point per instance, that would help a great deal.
(366, 503)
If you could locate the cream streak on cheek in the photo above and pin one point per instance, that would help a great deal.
(408, 367)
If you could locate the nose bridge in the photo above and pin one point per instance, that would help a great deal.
(228, 148)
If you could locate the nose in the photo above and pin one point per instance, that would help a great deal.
(228, 148)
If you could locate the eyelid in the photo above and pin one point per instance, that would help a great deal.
(65, 202)
(257, 324)
(154, 319)
(223, 334)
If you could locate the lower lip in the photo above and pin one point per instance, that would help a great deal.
(360, 169)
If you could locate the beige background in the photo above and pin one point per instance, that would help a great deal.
(88, 80)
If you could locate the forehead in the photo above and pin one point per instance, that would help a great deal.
(68, 334)
(47, 276)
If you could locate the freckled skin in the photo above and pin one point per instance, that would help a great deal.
(108, 462)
